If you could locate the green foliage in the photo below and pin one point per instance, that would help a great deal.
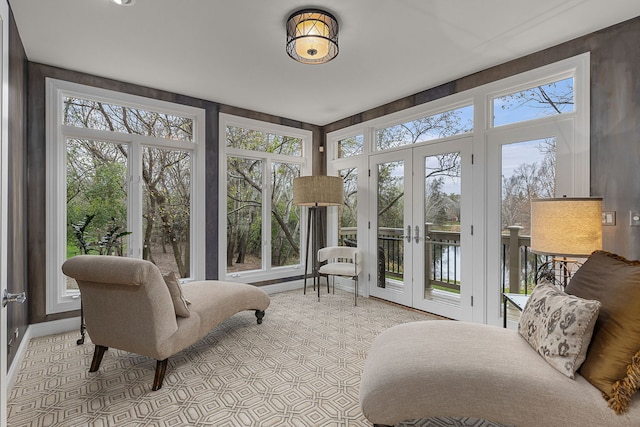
(80, 229)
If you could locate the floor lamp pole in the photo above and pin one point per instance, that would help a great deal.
(310, 218)
(314, 222)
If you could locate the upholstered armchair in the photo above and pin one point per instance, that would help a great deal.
(128, 305)
(342, 261)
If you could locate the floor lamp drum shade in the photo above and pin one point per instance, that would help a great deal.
(319, 190)
(566, 226)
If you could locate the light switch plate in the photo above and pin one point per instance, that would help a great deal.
(634, 218)
(609, 218)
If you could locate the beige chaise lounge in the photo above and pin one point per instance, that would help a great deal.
(127, 305)
(573, 347)
(455, 369)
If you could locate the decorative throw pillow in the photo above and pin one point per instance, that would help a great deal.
(613, 360)
(179, 302)
(558, 326)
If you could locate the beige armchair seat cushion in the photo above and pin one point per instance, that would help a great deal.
(458, 369)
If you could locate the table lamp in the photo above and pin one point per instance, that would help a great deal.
(565, 227)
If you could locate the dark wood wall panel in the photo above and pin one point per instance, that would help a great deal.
(17, 314)
(615, 131)
(615, 118)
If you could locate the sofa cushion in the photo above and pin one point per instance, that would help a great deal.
(558, 326)
(615, 282)
(180, 304)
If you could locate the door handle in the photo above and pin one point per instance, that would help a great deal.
(417, 237)
(408, 236)
(7, 298)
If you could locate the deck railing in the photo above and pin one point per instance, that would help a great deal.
(442, 257)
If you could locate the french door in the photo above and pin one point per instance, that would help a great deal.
(420, 227)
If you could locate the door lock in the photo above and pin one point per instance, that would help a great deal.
(7, 298)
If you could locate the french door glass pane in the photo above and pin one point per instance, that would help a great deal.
(349, 209)
(166, 218)
(390, 211)
(96, 175)
(244, 214)
(442, 196)
(528, 171)
(285, 217)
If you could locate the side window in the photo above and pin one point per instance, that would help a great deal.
(263, 227)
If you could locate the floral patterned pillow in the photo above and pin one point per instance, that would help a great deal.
(559, 326)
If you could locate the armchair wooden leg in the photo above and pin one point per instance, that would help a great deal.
(98, 352)
(259, 316)
(161, 369)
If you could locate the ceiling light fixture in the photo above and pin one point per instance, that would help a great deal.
(124, 2)
(312, 36)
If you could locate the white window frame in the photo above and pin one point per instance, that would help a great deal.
(58, 298)
(481, 96)
(304, 160)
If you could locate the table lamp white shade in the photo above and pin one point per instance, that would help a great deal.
(318, 190)
(567, 226)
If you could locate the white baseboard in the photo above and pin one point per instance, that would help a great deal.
(55, 327)
(282, 287)
(17, 359)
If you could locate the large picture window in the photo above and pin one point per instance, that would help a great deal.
(129, 167)
(263, 227)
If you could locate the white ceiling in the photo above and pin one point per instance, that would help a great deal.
(233, 51)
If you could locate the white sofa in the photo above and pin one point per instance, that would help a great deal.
(458, 369)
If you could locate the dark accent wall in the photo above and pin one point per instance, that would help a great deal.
(17, 314)
(615, 118)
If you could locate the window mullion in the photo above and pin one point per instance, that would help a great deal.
(134, 202)
(267, 191)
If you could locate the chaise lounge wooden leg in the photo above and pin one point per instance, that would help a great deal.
(161, 369)
(259, 316)
(97, 357)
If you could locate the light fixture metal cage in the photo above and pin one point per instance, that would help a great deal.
(312, 36)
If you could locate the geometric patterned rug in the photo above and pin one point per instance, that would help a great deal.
(301, 367)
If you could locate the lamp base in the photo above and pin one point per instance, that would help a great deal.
(557, 271)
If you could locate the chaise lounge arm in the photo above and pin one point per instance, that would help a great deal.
(127, 305)
(456, 369)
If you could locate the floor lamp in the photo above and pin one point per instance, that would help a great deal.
(565, 227)
(316, 192)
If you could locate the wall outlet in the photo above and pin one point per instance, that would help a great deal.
(609, 218)
(634, 218)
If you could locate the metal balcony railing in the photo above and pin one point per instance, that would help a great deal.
(442, 258)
